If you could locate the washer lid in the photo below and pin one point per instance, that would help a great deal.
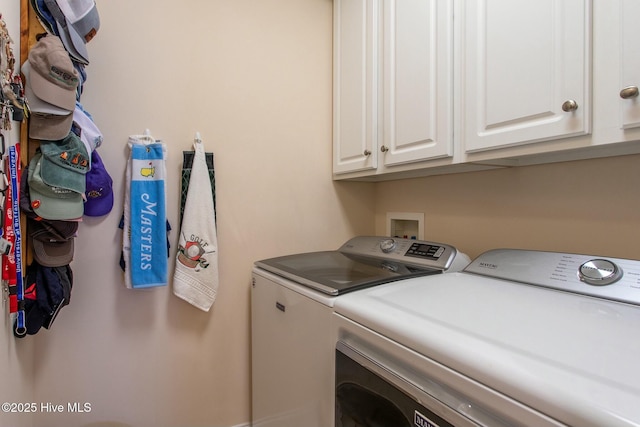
(366, 261)
(335, 273)
(570, 356)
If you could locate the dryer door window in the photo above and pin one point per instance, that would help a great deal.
(364, 399)
(374, 389)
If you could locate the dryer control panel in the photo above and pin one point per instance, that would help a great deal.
(611, 278)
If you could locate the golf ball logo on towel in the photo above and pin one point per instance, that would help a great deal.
(191, 253)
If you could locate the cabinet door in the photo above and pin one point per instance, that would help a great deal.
(355, 55)
(417, 80)
(630, 63)
(522, 62)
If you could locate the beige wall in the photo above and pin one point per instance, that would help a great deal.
(590, 206)
(254, 78)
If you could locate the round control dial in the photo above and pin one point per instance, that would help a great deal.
(387, 245)
(599, 272)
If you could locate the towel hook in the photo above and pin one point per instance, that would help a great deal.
(197, 139)
(147, 136)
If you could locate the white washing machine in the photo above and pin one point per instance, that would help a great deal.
(519, 338)
(292, 299)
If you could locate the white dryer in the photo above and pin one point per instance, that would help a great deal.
(519, 338)
(292, 299)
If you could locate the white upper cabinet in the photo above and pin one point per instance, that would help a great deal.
(417, 80)
(629, 33)
(427, 87)
(355, 80)
(616, 76)
(392, 83)
(525, 71)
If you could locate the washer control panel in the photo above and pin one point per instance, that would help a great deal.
(611, 278)
(425, 250)
(418, 253)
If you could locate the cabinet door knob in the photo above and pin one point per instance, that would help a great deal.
(384, 149)
(569, 105)
(629, 92)
(367, 152)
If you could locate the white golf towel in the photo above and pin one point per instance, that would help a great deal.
(196, 275)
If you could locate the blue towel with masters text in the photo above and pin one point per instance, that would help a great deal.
(148, 216)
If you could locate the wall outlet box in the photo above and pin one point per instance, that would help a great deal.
(406, 225)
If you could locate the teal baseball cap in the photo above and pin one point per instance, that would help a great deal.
(51, 202)
(65, 163)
